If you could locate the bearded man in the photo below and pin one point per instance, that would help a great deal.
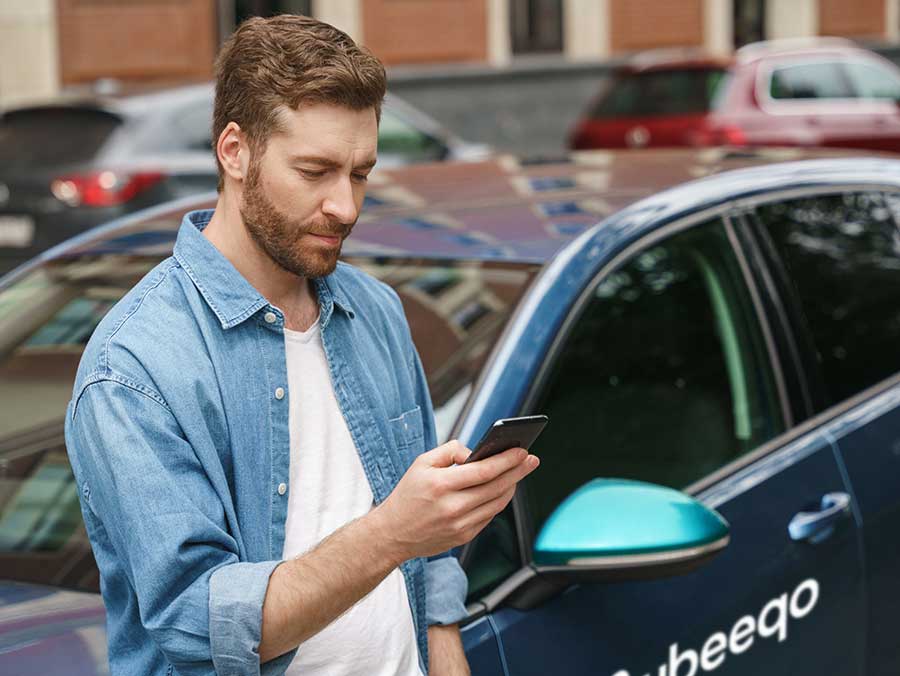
(232, 427)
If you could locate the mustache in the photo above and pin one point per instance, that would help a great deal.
(329, 229)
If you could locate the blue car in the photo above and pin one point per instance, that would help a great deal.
(714, 337)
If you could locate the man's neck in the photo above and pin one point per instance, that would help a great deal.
(294, 295)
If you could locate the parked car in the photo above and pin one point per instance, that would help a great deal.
(85, 159)
(713, 336)
(825, 92)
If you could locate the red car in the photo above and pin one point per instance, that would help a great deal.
(827, 92)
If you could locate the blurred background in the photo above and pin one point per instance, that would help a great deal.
(106, 105)
(514, 74)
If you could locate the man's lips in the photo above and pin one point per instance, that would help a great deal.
(328, 239)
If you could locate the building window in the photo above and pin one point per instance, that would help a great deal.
(749, 21)
(536, 26)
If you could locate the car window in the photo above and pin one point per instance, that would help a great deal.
(192, 127)
(842, 258)
(493, 557)
(809, 81)
(38, 138)
(873, 81)
(399, 138)
(664, 376)
(664, 92)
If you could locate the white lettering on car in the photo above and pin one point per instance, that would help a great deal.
(772, 621)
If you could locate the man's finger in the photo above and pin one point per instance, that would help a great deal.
(483, 493)
(483, 471)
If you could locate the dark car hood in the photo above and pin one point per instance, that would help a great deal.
(49, 631)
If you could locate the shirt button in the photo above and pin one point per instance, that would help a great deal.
(282, 489)
(270, 317)
(279, 393)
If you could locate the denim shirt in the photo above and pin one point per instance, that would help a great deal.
(177, 433)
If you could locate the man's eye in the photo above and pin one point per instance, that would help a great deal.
(360, 178)
(306, 173)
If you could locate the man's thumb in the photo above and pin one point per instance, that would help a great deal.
(445, 455)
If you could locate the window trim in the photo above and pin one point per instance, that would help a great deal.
(799, 395)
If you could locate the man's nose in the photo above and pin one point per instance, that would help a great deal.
(339, 203)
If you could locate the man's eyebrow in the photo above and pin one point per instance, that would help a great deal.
(327, 163)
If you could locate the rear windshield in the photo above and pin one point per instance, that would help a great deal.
(456, 312)
(658, 92)
(35, 138)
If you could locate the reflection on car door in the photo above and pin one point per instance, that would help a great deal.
(668, 375)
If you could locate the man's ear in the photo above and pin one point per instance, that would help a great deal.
(233, 152)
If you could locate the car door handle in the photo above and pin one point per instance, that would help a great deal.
(815, 526)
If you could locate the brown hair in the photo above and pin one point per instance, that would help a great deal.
(289, 60)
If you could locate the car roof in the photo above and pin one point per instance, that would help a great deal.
(503, 209)
(678, 58)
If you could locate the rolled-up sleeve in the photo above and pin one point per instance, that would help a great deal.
(164, 523)
(236, 594)
(445, 591)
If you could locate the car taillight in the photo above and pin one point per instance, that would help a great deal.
(103, 188)
(731, 135)
(724, 135)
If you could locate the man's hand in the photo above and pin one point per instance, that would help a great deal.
(445, 652)
(437, 505)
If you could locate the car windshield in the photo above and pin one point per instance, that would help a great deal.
(456, 311)
(658, 92)
(39, 138)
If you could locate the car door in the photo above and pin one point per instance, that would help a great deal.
(811, 102)
(877, 86)
(836, 260)
(666, 373)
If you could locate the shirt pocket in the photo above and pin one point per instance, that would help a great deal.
(409, 436)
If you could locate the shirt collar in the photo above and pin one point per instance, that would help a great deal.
(229, 295)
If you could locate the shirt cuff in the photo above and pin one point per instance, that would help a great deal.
(445, 591)
(236, 595)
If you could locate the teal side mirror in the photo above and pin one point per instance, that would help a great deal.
(613, 528)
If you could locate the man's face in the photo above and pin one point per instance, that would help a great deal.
(303, 192)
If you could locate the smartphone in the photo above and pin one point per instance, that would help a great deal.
(509, 433)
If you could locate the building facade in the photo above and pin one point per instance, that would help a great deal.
(46, 45)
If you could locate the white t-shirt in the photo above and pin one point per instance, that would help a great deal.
(328, 488)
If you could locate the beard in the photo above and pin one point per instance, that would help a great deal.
(280, 236)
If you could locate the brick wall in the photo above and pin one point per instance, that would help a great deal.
(648, 24)
(425, 31)
(856, 18)
(136, 39)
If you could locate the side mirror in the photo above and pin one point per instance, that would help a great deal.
(611, 530)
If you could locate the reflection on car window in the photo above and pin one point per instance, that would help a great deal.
(456, 311)
(42, 536)
(842, 256)
(809, 81)
(664, 377)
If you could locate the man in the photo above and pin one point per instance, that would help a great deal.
(249, 425)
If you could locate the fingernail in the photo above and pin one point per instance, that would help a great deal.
(522, 453)
(533, 461)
